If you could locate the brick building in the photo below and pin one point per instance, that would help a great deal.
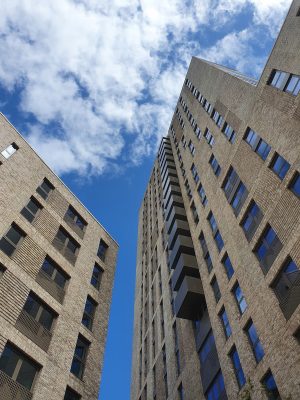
(57, 268)
(217, 298)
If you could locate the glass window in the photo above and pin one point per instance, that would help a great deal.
(280, 166)
(268, 248)
(89, 313)
(215, 287)
(18, 366)
(251, 220)
(54, 273)
(225, 323)
(76, 218)
(251, 138)
(254, 341)
(45, 189)
(216, 389)
(270, 387)
(202, 194)
(180, 392)
(79, 359)
(286, 279)
(102, 250)
(293, 85)
(263, 149)
(229, 132)
(230, 182)
(67, 240)
(208, 261)
(239, 373)
(295, 185)
(228, 266)
(39, 311)
(71, 395)
(9, 242)
(279, 79)
(212, 221)
(219, 240)
(240, 299)
(238, 197)
(31, 209)
(206, 347)
(96, 276)
(215, 165)
(10, 150)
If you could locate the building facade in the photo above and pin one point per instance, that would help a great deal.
(217, 296)
(57, 268)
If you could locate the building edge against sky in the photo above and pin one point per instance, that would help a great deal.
(217, 294)
(57, 266)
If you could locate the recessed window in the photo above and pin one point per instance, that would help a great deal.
(267, 249)
(192, 148)
(208, 262)
(80, 356)
(54, 273)
(2, 270)
(239, 373)
(217, 389)
(202, 194)
(207, 347)
(67, 242)
(45, 189)
(194, 213)
(227, 266)
(39, 311)
(71, 394)
(180, 392)
(215, 287)
(195, 173)
(239, 297)
(235, 191)
(197, 131)
(215, 231)
(73, 215)
(96, 276)
(209, 137)
(251, 220)
(257, 144)
(238, 197)
(18, 366)
(257, 348)
(11, 240)
(279, 79)
(229, 132)
(212, 221)
(215, 165)
(270, 387)
(10, 150)
(217, 117)
(225, 323)
(102, 250)
(280, 166)
(89, 313)
(31, 210)
(295, 184)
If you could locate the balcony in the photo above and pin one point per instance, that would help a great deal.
(189, 298)
(50, 286)
(186, 265)
(182, 244)
(60, 246)
(33, 330)
(12, 390)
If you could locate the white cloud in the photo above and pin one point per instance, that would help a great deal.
(97, 69)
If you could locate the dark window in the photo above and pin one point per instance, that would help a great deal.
(270, 387)
(257, 144)
(295, 185)
(239, 198)
(45, 189)
(2, 270)
(254, 341)
(18, 366)
(230, 182)
(215, 287)
(89, 313)
(263, 149)
(240, 299)
(235, 191)
(195, 173)
(54, 273)
(267, 249)
(208, 261)
(212, 222)
(39, 311)
(10, 150)
(215, 231)
(217, 117)
(229, 132)
(280, 166)
(219, 240)
(209, 137)
(216, 389)
(239, 373)
(76, 218)
(251, 220)
(194, 213)
(206, 347)
(80, 355)
(202, 194)
(11, 240)
(68, 242)
(96, 276)
(228, 266)
(31, 210)
(71, 395)
(225, 323)
(298, 13)
(102, 250)
(215, 165)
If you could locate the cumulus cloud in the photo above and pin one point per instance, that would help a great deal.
(98, 80)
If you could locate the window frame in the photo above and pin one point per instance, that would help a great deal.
(69, 239)
(226, 325)
(82, 361)
(272, 249)
(26, 209)
(56, 269)
(254, 343)
(41, 306)
(100, 254)
(255, 220)
(10, 242)
(241, 300)
(101, 270)
(42, 192)
(77, 217)
(284, 165)
(295, 178)
(90, 317)
(237, 367)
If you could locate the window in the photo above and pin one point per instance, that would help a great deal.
(18, 366)
(102, 250)
(239, 197)
(45, 189)
(263, 149)
(209, 137)
(10, 150)
(217, 118)
(280, 166)
(239, 373)
(192, 148)
(71, 395)
(216, 389)
(240, 299)
(195, 173)
(270, 387)
(39, 311)
(295, 185)
(2, 270)
(293, 85)
(208, 262)
(54, 273)
(180, 392)
(228, 266)
(235, 191)
(197, 132)
(202, 194)
(215, 287)
(96, 276)
(206, 347)
(254, 341)
(212, 221)
(31, 210)
(251, 220)
(267, 249)
(215, 231)
(257, 144)
(229, 132)
(194, 213)
(215, 165)
(76, 218)
(89, 313)
(298, 13)
(225, 323)
(80, 355)
(68, 242)
(11, 240)
(278, 79)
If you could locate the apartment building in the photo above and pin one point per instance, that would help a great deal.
(57, 268)
(217, 296)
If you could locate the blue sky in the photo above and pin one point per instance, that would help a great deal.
(93, 85)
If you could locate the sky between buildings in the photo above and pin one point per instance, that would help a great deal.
(93, 84)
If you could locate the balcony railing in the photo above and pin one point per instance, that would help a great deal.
(50, 286)
(60, 246)
(74, 226)
(12, 390)
(33, 330)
